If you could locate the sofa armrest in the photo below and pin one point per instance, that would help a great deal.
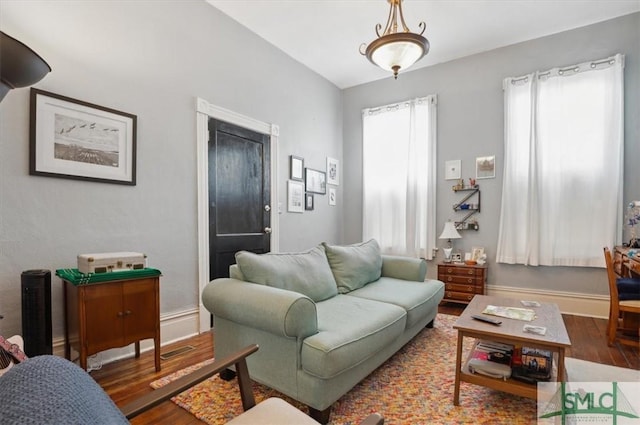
(280, 312)
(405, 268)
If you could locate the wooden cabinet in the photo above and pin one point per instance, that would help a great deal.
(462, 282)
(112, 314)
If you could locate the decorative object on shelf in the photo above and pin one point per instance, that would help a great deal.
(449, 232)
(295, 196)
(308, 202)
(395, 50)
(332, 196)
(477, 252)
(296, 168)
(486, 167)
(333, 171)
(470, 208)
(77, 140)
(316, 181)
(20, 66)
(452, 169)
(633, 219)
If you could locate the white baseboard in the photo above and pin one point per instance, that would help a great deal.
(174, 327)
(569, 302)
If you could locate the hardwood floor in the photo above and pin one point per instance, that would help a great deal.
(125, 380)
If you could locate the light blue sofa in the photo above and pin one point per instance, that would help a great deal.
(324, 319)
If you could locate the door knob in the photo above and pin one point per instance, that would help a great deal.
(267, 229)
(267, 208)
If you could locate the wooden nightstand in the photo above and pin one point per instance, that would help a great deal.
(112, 314)
(462, 282)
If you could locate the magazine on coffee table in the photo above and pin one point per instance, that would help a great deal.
(525, 314)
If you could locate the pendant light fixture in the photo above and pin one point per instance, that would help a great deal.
(19, 65)
(396, 49)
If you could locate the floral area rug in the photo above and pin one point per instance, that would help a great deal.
(415, 386)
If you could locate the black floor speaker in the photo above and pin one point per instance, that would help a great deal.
(36, 312)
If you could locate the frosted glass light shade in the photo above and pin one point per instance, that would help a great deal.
(397, 52)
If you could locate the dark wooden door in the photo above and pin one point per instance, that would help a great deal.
(239, 194)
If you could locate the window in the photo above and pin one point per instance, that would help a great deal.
(399, 173)
(562, 187)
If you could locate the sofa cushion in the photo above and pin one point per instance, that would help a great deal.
(235, 273)
(354, 266)
(350, 330)
(307, 273)
(419, 299)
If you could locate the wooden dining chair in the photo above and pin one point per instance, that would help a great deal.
(618, 307)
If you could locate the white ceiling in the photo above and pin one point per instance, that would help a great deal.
(325, 35)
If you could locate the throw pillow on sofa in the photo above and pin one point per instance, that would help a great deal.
(307, 273)
(354, 266)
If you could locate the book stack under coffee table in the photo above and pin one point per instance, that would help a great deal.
(510, 332)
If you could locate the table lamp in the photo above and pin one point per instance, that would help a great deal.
(449, 232)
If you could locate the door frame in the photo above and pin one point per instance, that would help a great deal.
(204, 111)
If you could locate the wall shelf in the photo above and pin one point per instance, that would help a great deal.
(470, 208)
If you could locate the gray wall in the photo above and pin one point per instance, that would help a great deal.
(470, 124)
(151, 59)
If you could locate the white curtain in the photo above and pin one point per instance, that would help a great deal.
(399, 176)
(563, 168)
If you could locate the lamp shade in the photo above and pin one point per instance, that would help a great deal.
(19, 65)
(449, 231)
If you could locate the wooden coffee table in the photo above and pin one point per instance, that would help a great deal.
(510, 331)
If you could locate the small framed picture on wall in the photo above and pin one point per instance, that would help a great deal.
(297, 168)
(452, 169)
(486, 167)
(333, 171)
(332, 196)
(308, 202)
(295, 196)
(316, 181)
